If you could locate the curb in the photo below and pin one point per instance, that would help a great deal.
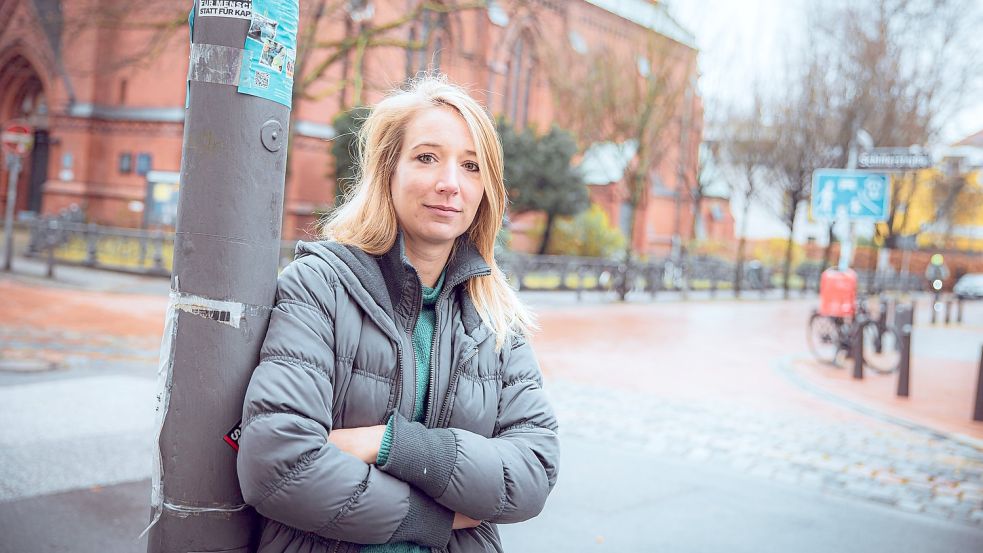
(783, 366)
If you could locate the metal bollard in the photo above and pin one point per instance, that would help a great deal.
(948, 310)
(858, 352)
(935, 306)
(978, 411)
(959, 310)
(904, 322)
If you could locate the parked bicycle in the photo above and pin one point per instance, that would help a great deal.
(831, 339)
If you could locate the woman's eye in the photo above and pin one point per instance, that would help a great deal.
(471, 166)
(426, 158)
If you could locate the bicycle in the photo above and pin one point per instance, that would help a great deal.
(831, 340)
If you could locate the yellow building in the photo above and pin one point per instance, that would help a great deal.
(941, 206)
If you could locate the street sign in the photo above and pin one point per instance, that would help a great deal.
(893, 159)
(17, 138)
(852, 195)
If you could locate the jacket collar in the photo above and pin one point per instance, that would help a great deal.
(393, 284)
(464, 262)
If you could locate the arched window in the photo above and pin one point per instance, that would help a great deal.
(433, 31)
(520, 76)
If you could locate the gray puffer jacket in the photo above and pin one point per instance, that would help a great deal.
(339, 354)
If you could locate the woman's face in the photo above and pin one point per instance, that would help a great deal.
(436, 188)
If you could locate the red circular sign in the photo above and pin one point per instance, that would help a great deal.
(17, 138)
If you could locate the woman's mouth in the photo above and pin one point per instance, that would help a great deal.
(444, 209)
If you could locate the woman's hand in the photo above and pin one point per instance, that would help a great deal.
(361, 442)
(462, 521)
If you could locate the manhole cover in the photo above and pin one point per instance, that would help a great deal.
(27, 365)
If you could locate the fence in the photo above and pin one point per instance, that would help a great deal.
(64, 239)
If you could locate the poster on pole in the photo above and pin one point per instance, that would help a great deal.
(270, 51)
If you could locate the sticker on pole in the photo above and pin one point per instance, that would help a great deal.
(270, 51)
(853, 195)
(17, 138)
(239, 9)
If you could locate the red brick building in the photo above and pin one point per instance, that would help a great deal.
(103, 83)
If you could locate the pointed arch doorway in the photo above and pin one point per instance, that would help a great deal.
(22, 96)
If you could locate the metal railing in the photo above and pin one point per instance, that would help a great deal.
(65, 240)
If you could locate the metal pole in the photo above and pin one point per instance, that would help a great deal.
(904, 321)
(226, 252)
(858, 351)
(978, 409)
(13, 166)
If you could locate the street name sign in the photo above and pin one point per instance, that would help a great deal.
(852, 195)
(893, 159)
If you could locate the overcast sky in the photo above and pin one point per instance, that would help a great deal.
(743, 43)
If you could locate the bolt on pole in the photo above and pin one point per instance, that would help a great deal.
(223, 283)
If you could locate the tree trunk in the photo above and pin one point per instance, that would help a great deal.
(787, 269)
(742, 244)
(547, 233)
(739, 266)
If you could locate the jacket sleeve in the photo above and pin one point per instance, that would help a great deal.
(287, 468)
(502, 479)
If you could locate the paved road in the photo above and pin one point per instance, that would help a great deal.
(680, 432)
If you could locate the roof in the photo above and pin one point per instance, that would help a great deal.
(649, 15)
(972, 140)
(605, 162)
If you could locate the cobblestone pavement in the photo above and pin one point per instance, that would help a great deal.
(911, 470)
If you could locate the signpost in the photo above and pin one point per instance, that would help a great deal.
(849, 195)
(17, 139)
(854, 195)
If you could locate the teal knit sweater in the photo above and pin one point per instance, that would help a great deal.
(422, 341)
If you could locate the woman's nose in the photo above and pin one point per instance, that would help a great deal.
(448, 183)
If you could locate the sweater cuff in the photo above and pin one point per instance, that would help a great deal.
(421, 456)
(386, 445)
(427, 522)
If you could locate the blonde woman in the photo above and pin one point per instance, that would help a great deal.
(397, 406)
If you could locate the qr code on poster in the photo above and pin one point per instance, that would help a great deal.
(261, 80)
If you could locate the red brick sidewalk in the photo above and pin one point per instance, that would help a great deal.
(941, 392)
(33, 305)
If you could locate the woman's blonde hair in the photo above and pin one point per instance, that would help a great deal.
(367, 218)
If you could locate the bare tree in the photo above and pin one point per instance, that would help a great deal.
(624, 97)
(902, 69)
(804, 129)
(746, 147)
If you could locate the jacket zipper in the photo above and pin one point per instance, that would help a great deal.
(432, 385)
(455, 377)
